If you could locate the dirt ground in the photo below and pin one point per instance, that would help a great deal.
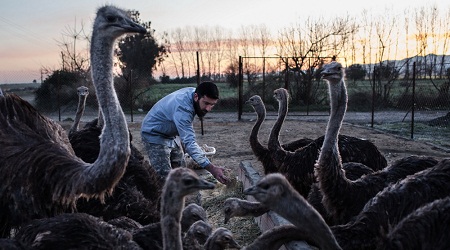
(230, 137)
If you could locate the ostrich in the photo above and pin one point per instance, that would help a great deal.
(221, 238)
(82, 92)
(275, 192)
(196, 235)
(191, 214)
(418, 229)
(370, 226)
(342, 197)
(260, 151)
(40, 175)
(179, 183)
(235, 207)
(352, 150)
(74, 231)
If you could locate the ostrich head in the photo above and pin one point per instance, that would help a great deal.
(222, 238)
(281, 94)
(200, 230)
(82, 91)
(255, 101)
(333, 72)
(191, 214)
(184, 181)
(114, 22)
(230, 208)
(270, 189)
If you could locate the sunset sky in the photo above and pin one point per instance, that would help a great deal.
(31, 30)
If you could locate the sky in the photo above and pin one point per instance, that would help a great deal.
(31, 29)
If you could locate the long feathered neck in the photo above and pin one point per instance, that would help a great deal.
(114, 141)
(274, 142)
(172, 204)
(338, 107)
(261, 116)
(79, 114)
(293, 205)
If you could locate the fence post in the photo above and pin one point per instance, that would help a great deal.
(286, 77)
(198, 83)
(240, 94)
(413, 99)
(373, 100)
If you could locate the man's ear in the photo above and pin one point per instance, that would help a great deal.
(195, 97)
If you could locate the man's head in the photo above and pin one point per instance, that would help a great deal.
(205, 97)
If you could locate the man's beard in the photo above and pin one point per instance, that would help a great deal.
(200, 113)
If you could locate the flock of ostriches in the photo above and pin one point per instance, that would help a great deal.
(90, 188)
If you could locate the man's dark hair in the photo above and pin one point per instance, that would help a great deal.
(207, 88)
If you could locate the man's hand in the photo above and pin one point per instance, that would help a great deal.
(218, 173)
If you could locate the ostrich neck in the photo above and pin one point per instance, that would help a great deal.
(261, 112)
(114, 141)
(274, 142)
(309, 218)
(79, 114)
(338, 106)
(254, 208)
(171, 209)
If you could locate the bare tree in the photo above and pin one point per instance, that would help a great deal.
(73, 58)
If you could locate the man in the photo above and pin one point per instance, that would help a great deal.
(172, 116)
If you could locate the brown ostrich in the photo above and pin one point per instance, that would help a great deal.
(74, 231)
(344, 198)
(261, 152)
(40, 175)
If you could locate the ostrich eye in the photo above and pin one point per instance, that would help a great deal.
(111, 19)
(188, 182)
(265, 186)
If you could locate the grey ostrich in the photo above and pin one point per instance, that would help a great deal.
(179, 183)
(221, 238)
(298, 166)
(235, 207)
(370, 227)
(344, 198)
(275, 192)
(83, 93)
(196, 235)
(40, 175)
(260, 151)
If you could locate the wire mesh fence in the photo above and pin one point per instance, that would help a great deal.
(409, 99)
